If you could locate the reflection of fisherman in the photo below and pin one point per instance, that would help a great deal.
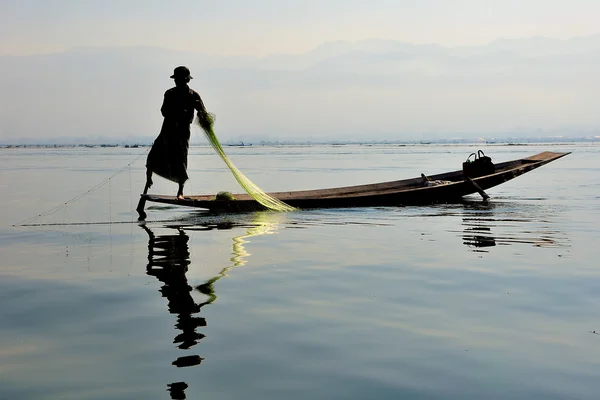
(168, 260)
(168, 156)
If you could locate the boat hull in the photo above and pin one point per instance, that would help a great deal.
(394, 193)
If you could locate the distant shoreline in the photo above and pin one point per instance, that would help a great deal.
(452, 142)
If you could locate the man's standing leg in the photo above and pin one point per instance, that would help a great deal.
(180, 191)
(148, 180)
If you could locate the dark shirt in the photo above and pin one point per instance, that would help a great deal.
(179, 104)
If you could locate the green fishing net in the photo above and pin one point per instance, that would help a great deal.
(206, 121)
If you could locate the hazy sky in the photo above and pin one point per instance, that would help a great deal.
(260, 27)
(352, 89)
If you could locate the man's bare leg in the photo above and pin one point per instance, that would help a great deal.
(180, 191)
(148, 180)
(142, 202)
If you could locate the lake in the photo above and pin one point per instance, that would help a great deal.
(452, 301)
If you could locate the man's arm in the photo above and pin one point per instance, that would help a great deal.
(205, 119)
(166, 109)
(199, 104)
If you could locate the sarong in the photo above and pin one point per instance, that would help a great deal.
(169, 153)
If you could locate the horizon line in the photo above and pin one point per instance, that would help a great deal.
(512, 140)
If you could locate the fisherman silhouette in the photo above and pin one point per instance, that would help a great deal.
(169, 153)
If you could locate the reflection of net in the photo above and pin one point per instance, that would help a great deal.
(240, 253)
(264, 223)
(206, 122)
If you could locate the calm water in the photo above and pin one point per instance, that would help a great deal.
(463, 301)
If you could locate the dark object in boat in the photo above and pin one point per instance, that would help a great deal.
(386, 194)
(481, 165)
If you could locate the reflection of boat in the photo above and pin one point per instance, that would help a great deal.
(403, 192)
(503, 224)
(479, 237)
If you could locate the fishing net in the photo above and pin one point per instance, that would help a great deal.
(206, 121)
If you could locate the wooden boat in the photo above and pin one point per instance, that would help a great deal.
(451, 188)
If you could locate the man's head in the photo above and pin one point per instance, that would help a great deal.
(181, 75)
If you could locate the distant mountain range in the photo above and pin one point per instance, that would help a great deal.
(374, 89)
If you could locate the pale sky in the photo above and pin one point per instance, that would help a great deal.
(356, 88)
(261, 27)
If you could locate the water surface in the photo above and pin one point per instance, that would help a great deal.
(464, 301)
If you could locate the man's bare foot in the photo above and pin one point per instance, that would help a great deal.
(180, 196)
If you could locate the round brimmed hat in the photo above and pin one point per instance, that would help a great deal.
(181, 72)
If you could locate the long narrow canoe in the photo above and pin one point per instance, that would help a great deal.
(403, 192)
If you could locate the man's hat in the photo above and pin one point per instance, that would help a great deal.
(181, 72)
